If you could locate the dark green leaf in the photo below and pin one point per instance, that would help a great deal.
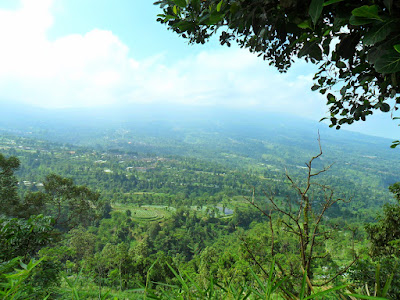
(234, 8)
(169, 17)
(397, 47)
(328, 291)
(367, 11)
(195, 4)
(366, 297)
(331, 2)
(303, 285)
(385, 107)
(311, 49)
(204, 18)
(373, 55)
(388, 4)
(357, 21)
(315, 10)
(388, 63)
(305, 24)
(331, 98)
(215, 18)
(340, 64)
(378, 33)
(327, 32)
(184, 25)
(387, 285)
(315, 87)
(180, 3)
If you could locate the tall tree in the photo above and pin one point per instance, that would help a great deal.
(9, 199)
(302, 216)
(385, 233)
(19, 237)
(69, 204)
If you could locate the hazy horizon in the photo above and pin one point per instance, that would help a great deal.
(61, 55)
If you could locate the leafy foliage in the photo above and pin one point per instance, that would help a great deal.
(19, 237)
(13, 284)
(269, 288)
(355, 43)
(380, 277)
(8, 185)
(124, 250)
(70, 205)
(385, 234)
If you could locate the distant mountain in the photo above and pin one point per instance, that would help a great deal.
(239, 139)
(180, 123)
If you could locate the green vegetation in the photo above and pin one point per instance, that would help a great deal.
(355, 43)
(145, 212)
(208, 212)
(153, 226)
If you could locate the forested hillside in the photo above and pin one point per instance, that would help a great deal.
(170, 195)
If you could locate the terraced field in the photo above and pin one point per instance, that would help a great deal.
(145, 213)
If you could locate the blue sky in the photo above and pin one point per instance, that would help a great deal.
(134, 22)
(85, 53)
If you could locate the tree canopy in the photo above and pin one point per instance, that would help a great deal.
(385, 233)
(8, 185)
(356, 44)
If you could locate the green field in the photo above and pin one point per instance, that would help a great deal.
(154, 212)
(145, 212)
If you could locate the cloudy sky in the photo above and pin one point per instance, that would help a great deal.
(74, 53)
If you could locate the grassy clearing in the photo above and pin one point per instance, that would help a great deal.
(87, 289)
(145, 212)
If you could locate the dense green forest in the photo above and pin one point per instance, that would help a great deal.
(205, 212)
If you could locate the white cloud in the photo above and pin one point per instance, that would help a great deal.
(96, 69)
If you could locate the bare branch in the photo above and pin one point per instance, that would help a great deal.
(320, 256)
(252, 256)
(272, 234)
(292, 230)
(322, 171)
(304, 219)
(339, 273)
(293, 183)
